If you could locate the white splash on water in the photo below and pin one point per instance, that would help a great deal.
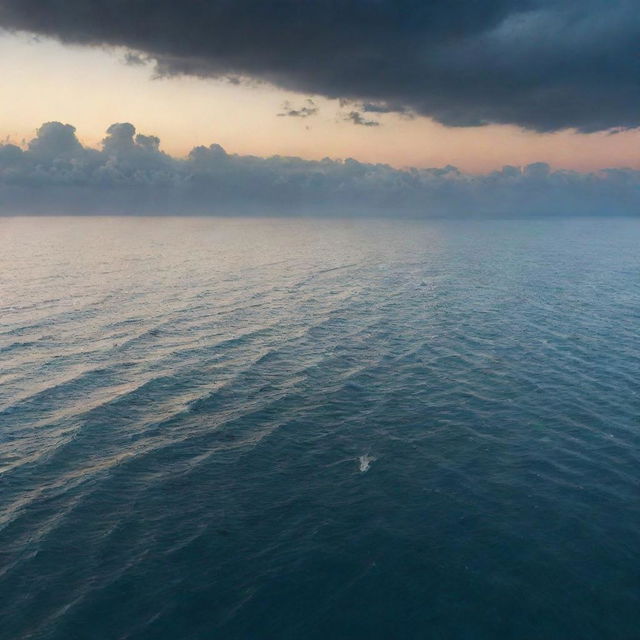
(365, 462)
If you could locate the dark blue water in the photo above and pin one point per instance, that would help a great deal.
(251, 429)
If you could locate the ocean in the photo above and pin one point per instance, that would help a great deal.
(287, 429)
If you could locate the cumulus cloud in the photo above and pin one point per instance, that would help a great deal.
(55, 174)
(540, 64)
(55, 140)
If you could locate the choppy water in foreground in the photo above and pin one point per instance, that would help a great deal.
(253, 429)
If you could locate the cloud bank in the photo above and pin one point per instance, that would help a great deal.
(541, 64)
(130, 174)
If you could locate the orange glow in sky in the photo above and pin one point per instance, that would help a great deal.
(92, 88)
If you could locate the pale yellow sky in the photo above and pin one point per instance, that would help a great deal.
(42, 80)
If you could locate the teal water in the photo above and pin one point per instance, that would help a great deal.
(288, 429)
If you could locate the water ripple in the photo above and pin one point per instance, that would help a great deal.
(186, 416)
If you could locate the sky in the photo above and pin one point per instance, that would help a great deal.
(440, 106)
(551, 61)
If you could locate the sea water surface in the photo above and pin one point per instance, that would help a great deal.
(319, 429)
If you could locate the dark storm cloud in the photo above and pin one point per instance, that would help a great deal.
(541, 64)
(55, 174)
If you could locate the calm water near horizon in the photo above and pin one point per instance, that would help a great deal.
(254, 429)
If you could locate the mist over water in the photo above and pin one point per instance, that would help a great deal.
(280, 429)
